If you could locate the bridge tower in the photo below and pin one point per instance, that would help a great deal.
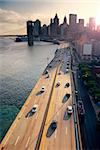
(30, 32)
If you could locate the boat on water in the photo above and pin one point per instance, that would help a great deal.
(25, 39)
(21, 39)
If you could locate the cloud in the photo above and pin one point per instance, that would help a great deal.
(9, 16)
(11, 20)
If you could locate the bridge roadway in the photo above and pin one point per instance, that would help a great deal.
(63, 137)
(23, 134)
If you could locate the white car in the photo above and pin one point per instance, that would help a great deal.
(34, 109)
(42, 89)
(69, 110)
(58, 83)
(76, 92)
(67, 70)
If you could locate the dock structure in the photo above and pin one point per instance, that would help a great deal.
(30, 132)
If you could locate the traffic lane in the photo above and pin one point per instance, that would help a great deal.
(23, 123)
(63, 137)
(65, 129)
(48, 119)
(58, 94)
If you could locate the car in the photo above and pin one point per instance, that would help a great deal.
(67, 95)
(50, 66)
(46, 72)
(69, 110)
(76, 92)
(67, 84)
(67, 67)
(67, 70)
(34, 109)
(59, 73)
(54, 124)
(47, 76)
(58, 83)
(42, 89)
(79, 77)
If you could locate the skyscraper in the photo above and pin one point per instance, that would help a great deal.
(56, 20)
(65, 20)
(72, 19)
(81, 25)
(54, 26)
(92, 24)
(37, 28)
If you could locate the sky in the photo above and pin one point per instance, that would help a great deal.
(15, 13)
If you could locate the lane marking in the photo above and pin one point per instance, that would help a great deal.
(55, 133)
(36, 116)
(66, 131)
(13, 127)
(27, 142)
(17, 140)
(57, 113)
(7, 138)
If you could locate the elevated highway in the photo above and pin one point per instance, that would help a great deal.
(28, 133)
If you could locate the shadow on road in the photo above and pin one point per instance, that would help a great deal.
(29, 114)
(66, 116)
(39, 93)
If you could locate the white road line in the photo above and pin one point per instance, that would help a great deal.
(55, 133)
(57, 113)
(17, 140)
(36, 116)
(10, 133)
(66, 131)
(7, 138)
(27, 142)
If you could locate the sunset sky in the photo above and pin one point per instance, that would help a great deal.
(14, 13)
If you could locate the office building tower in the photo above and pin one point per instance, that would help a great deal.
(37, 28)
(81, 25)
(92, 24)
(72, 19)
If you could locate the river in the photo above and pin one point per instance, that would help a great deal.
(20, 68)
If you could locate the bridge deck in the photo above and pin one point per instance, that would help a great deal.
(63, 137)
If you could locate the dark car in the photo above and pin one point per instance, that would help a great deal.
(67, 85)
(46, 72)
(54, 125)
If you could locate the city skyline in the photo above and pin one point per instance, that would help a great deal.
(14, 14)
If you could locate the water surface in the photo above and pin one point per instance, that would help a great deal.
(20, 68)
